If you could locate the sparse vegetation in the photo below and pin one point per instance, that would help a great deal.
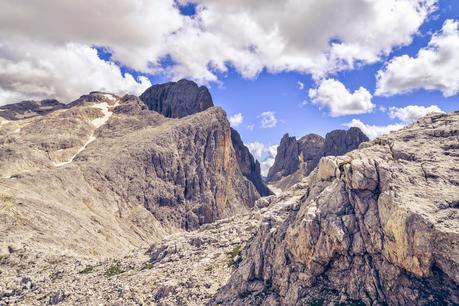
(147, 266)
(87, 270)
(234, 256)
(114, 269)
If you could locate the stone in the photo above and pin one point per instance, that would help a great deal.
(370, 229)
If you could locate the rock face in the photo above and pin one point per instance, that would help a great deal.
(248, 165)
(108, 174)
(339, 142)
(379, 226)
(177, 99)
(295, 159)
(184, 98)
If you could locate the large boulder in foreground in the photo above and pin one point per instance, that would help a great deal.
(379, 226)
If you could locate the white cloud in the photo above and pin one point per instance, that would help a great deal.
(64, 73)
(411, 112)
(257, 149)
(251, 127)
(236, 120)
(264, 154)
(268, 120)
(300, 85)
(434, 68)
(248, 35)
(373, 131)
(333, 95)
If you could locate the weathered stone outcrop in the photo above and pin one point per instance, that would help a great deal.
(378, 226)
(177, 99)
(248, 165)
(295, 159)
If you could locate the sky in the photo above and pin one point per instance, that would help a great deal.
(275, 66)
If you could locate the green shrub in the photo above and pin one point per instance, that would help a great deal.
(87, 270)
(234, 256)
(147, 266)
(114, 269)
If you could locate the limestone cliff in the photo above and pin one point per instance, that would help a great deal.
(379, 226)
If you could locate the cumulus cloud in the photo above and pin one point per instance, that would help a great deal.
(410, 113)
(433, 68)
(268, 120)
(300, 85)
(264, 154)
(236, 120)
(333, 95)
(248, 35)
(373, 131)
(64, 73)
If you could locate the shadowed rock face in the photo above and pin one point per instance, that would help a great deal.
(177, 99)
(377, 226)
(248, 165)
(297, 158)
(287, 159)
(339, 142)
(28, 109)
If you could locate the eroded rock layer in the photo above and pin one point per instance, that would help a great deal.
(379, 226)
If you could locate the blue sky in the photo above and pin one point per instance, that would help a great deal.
(280, 92)
(373, 64)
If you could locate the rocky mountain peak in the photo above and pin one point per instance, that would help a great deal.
(295, 159)
(177, 99)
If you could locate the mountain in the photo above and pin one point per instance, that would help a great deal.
(378, 226)
(27, 109)
(108, 174)
(295, 159)
(184, 98)
(177, 99)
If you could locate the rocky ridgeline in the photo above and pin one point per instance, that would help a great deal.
(295, 159)
(109, 174)
(378, 226)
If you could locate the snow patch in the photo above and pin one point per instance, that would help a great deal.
(98, 122)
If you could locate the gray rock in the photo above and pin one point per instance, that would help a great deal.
(374, 227)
